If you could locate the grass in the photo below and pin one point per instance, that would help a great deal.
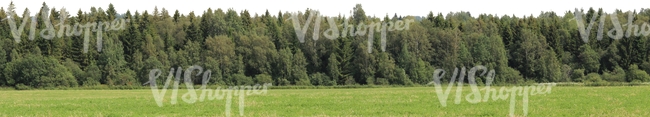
(391, 101)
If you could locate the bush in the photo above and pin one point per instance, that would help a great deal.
(283, 82)
(125, 77)
(330, 83)
(578, 75)
(382, 81)
(303, 82)
(76, 71)
(301, 78)
(593, 78)
(241, 79)
(263, 78)
(403, 78)
(321, 79)
(348, 80)
(618, 75)
(636, 75)
(645, 66)
(566, 73)
(509, 76)
(21, 86)
(39, 72)
(370, 80)
(92, 76)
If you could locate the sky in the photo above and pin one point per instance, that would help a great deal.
(377, 8)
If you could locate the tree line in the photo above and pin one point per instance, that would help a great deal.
(243, 49)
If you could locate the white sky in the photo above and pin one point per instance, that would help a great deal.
(334, 7)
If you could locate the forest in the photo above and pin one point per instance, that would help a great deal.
(61, 48)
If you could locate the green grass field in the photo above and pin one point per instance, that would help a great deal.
(413, 101)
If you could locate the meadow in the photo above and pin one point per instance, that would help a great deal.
(392, 101)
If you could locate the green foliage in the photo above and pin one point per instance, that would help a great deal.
(618, 75)
(364, 65)
(578, 75)
(76, 71)
(645, 66)
(594, 79)
(242, 79)
(92, 77)
(535, 60)
(246, 48)
(320, 79)
(283, 67)
(510, 75)
(589, 59)
(3, 62)
(39, 72)
(22, 87)
(403, 79)
(386, 70)
(566, 73)
(263, 78)
(298, 71)
(114, 69)
(333, 69)
(636, 75)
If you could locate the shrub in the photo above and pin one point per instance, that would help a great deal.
(92, 75)
(593, 77)
(321, 79)
(401, 75)
(509, 76)
(645, 66)
(125, 77)
(21, 86)
(370, 81)
(303, 82)
(618, 75)
(578, 75)
(76, 71)
(566, 73)
(637, 75)
(381, 81)
(241, 79)
(263, 78)
(348, 80)
(39, 72)
(283, 82)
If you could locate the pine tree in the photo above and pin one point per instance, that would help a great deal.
(589, 59)
(299, 70)
(333, 69)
